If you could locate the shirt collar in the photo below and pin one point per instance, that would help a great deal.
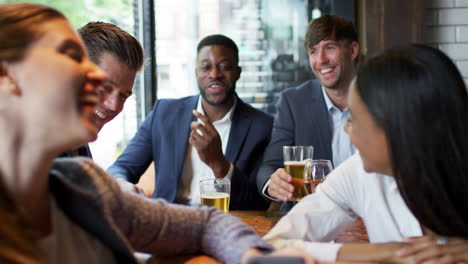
(227, 116)
(330, 106)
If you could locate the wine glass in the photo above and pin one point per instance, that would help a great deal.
(315, 172)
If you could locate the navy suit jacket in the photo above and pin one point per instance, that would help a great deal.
(301, 119)
(163, 138)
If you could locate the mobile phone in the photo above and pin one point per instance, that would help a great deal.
(275, 260)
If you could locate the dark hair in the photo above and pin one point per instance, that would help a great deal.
(417, 96)
(19, 23)
(219, 40)
(100, 37)
(329, 27)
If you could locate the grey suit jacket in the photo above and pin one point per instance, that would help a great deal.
(301, 119)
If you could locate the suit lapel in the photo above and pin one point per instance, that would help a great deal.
(322, 119)
(239, 129)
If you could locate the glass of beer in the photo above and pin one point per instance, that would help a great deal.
(315, 172)
(295, 158)
(216, 192)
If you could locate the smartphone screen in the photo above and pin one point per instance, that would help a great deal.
(275, 260)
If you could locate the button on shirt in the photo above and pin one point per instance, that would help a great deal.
(341, 145)
(347, 193)
(194, 169)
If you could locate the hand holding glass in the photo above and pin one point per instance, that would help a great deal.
(294, 161)
(216, 192)
(315, 172)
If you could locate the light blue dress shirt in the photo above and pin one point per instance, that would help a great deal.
(341, 145)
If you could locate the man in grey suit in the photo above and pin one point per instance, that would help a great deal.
(315, 112)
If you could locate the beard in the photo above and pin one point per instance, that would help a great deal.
(228, 95)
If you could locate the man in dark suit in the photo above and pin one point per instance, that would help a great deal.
(121, 57)
(207, 136)
(314, 113)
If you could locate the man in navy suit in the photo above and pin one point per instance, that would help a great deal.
(314, 113)
(207, 136)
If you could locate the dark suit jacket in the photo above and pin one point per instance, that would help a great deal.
(163, 138)
(301, 119)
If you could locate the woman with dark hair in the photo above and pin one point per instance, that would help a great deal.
(419, 100)
(69, 210)
(408, 119)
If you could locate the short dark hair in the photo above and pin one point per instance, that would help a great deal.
(219, 40)
(418, 97)
(329, 27)
(100, 37)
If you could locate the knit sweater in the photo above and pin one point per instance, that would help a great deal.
(126, 222)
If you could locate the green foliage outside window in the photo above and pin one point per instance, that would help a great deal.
(80, 12)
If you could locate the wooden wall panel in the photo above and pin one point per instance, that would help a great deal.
(387, 23)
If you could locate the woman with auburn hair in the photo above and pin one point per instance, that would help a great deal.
(409, 181)
(69, 210)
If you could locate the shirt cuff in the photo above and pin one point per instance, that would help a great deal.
(264, 192)
(320, 250)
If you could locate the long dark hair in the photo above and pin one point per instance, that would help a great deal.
(417, 96)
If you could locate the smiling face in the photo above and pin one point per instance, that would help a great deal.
(217, 73)
(333, 62)
(369, 139)
(113, 93)
(58, 85)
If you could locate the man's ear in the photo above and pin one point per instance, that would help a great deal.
(239, 71)
(7, 84)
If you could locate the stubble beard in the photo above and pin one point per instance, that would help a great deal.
(227, 96)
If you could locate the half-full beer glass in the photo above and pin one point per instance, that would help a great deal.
(216, 192)
(295, 158)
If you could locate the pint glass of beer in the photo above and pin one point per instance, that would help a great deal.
(295, 158)
(216, 192)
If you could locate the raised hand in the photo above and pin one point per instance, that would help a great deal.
(207, 141)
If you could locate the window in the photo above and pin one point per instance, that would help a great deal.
(270, 47)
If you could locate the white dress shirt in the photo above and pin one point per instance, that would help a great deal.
(194, 169)
(347, 193)
(341, 145)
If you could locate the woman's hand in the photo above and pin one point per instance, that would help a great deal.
(435, 249)
(372, 252)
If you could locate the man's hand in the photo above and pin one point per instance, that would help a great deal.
(280, 186)
(126, 186)
(208, 145)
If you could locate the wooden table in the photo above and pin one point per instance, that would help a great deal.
(262, 222)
